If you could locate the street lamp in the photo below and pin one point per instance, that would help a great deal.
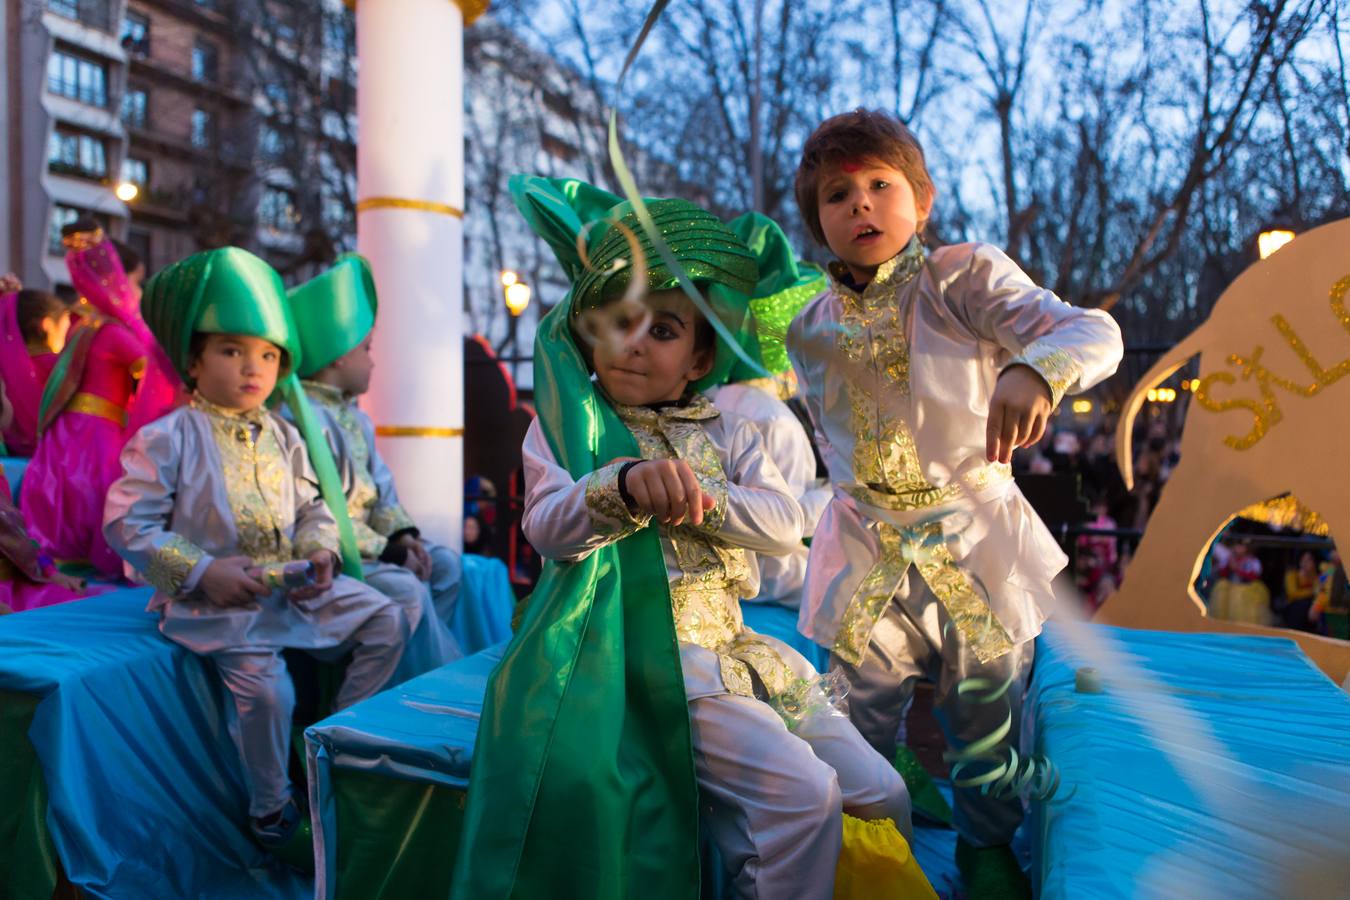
(516, 293)
(1272, 239)
(126, 191)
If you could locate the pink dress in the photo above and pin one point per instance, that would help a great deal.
(23, 376)
(91, 407)
(77, 453)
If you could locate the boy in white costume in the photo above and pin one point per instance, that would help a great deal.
(922, 372)
(216, 490)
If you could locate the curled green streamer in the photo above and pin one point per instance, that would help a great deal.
(1005, 772)
(634, 196)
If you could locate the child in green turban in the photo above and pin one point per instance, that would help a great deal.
(220, 510)
(334, 316)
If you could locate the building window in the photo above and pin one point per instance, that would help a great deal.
(75, 153)
(135, 107)
(94, 13)
(271, 144)
(61, 217)
(205, 61)
(136, 33)
(201, 129)
(136, 171)
(78, 78)
(277, 210)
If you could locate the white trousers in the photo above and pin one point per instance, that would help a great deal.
(908, 644)
(772, 798)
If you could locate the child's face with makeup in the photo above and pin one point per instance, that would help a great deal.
(868, 212)
(651, 359)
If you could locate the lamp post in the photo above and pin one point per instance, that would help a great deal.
(516, 293)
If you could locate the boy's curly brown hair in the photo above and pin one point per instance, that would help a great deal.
(861, 134)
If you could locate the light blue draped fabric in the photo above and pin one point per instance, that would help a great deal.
(1262, 800)
(482, 617)
(145, 793)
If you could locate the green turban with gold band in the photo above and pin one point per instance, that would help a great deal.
(785, 285)
(333, 312)
(231, 291)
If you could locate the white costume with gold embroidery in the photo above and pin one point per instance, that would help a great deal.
(898, 381)
(774, 796)
(200, 484)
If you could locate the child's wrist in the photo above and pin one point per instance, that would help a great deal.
(622, 481)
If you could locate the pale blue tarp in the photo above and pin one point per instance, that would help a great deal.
(145, 794)
(1227, 775)
(422, 730)
(482, 617)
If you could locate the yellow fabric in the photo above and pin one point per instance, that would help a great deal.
(875, 863)
(1236, 602)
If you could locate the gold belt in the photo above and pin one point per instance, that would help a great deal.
(94, 405)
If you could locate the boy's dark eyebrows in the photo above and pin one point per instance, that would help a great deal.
(669, 314)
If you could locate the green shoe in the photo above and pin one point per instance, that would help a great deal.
(924, 796)
(991, 873)
(288, 836)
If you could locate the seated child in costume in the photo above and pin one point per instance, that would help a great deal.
(922, 371)
(334, 316)
(218, 508)
(700, 483)
(33, 328)
(783, 289)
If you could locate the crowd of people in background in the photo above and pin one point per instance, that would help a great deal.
(1295, 581)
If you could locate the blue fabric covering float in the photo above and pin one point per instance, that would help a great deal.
(423, 730)
(1225, 774)
(14, 467)
(781, 622)
(482, 617)
(145, 795)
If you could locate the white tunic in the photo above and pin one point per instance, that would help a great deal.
(898, 382)
(789, 446)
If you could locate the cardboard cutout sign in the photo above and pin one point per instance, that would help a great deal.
(1271, 417)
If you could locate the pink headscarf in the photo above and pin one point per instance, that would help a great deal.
(96, 272)
(23, 385)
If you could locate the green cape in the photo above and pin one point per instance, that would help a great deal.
(231, 291)
(583, 779)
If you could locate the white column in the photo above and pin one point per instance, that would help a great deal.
(410, 190)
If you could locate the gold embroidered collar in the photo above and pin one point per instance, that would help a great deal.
(890, 276)
(256, 416)
(326, 393)
(698, 408)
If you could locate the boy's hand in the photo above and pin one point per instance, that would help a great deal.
(1018, 413)
(419, 560)
(668, 491)
(226, 583)
(325, 563)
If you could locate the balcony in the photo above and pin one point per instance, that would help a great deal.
(91, 13)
